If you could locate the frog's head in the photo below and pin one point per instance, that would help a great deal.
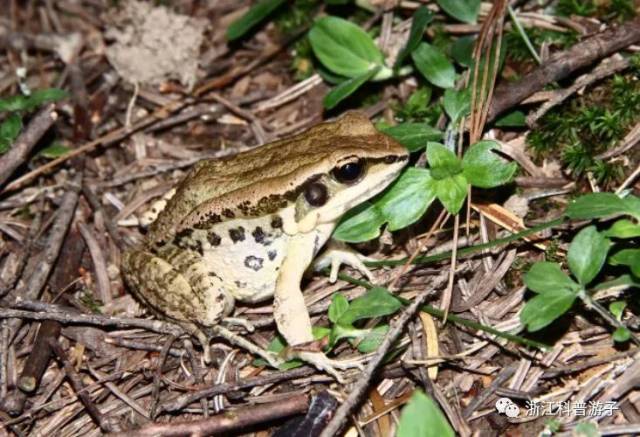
(359, 163)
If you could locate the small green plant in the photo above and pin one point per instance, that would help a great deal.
(588, 253)
(19, 105)
(422, 417)
(447, 179)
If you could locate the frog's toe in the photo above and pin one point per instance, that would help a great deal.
(239, 321)
(336, 256)
(326, 364)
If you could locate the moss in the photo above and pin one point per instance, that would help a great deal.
(589, 125)
(610, 10)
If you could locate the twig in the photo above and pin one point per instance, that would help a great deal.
(92, 319)
(606, 68)
(182, 401)
(155, 394)
(112, 229)
(38, 360)
(502, 377)
(15, 157)
(360, 387)
(103, 284)
(75, 381)
(224, 423)
(564, 63)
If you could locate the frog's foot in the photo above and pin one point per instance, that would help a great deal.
(324, 363)
(245, 344)
(338, 253)
(239, 321)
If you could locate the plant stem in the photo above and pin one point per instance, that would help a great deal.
(523, 35)
(591, 303)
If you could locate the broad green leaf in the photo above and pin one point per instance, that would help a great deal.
(621, 335)
(587, 254)
(413, 136)
(9, 131)
(547, 277)
(434, 65)
(596, 205)
(343, 47)
(55, 150)
(512, 119)
(623, 228)
(451, 192)
(463, 10)
(254, 15)
(330, 77)
(633, 206)
(346, 88)
(546, 307)
(627, 257)
(339, 304)
(422, 418)
(408, 198)
(442, 161)
(421, 19)
(37, 98)
(372, 339)
(457, 104)
(485, 169)
(362, 223)
(622, 283)
(462, 50)
(376, 302)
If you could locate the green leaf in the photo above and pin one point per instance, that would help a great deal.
(512, 119)
(346, 88)
(462, 50)
(623, 228)
(413, 136)
(443, 162)
(422, 418)
(361, 223)
(32, 101)
(370, 341)
(547, 277)
(451, 192)
(278, 344)
(343, 47)
(463, 10)
(9, 131)
(621, 335)
(457, 104)
(408, 198)
(434, 65)
(546, 307)
(617, 308)
(587, 254)
(622, 282)
(421, 19)
(55, 150)
(339, 304)
(484, 168)
(596, 205)
(586, 429)
(627, 257)
(376, 302)
(254, 15)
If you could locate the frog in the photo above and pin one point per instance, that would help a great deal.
(246, 228)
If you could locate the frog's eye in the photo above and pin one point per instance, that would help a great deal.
(316, 194)
(349, 173)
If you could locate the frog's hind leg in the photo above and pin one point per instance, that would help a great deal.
(177, 284)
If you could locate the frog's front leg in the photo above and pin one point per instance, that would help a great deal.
(290, 312)
(337, 253)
